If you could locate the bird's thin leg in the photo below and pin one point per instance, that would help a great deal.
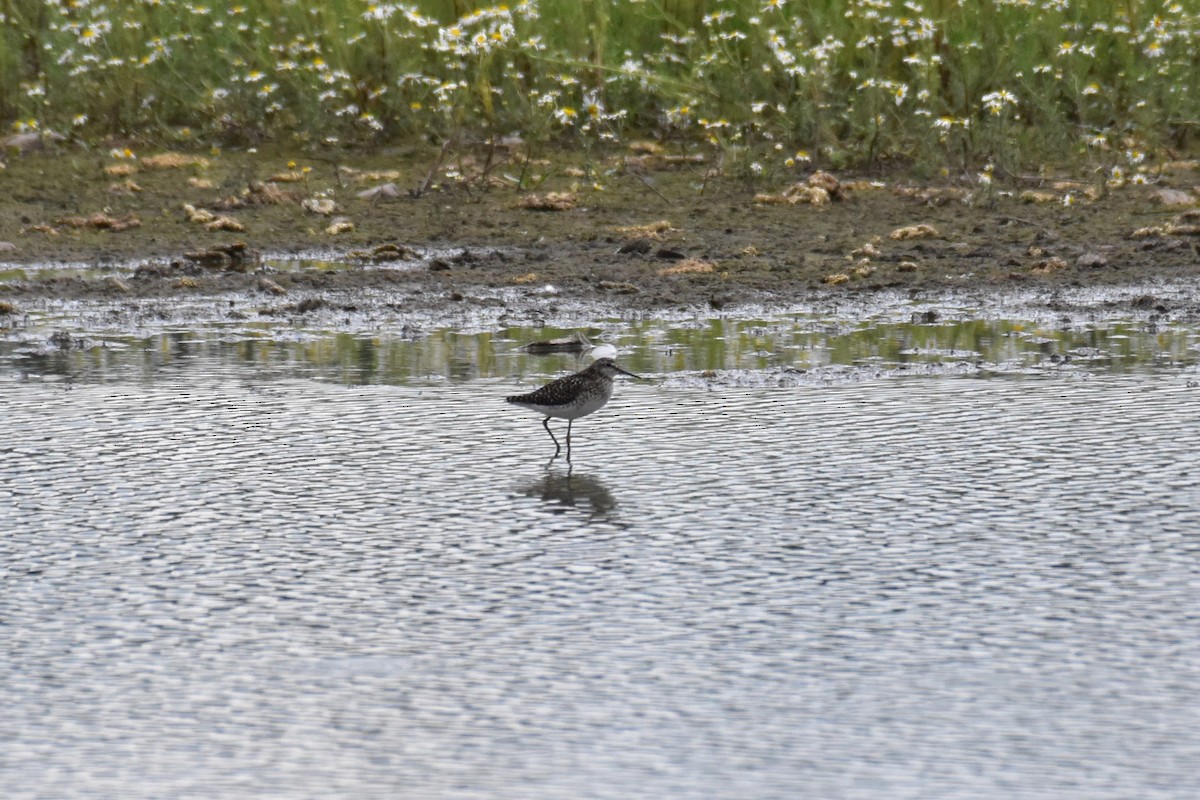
(569, 440)
(546, 425)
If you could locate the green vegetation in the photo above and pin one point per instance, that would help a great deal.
(924, 83)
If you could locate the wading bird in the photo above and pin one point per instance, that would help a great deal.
(572, 397)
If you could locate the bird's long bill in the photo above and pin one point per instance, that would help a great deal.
(627, 372)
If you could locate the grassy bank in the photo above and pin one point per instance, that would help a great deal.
(933, 84)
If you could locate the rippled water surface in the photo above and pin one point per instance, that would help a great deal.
(232, 571)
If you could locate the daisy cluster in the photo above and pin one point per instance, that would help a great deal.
(840, 80)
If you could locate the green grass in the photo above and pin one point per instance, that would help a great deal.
(935, 84)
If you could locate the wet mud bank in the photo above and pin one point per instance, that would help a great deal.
(259, 234)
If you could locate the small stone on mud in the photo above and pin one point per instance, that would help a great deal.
(208, 258)
(1091, 261)
(920, 231)
(268, 285)
(31, 141)
(455, 296)
(319, 205)
(868, 250)
(862, 186)
(796, 194)
(862, 270)
(907, 266)
(669, 254)
(7, 307)
(935, 195)
(126, 188)
(689, 266)
(826, 181)
(1182, 230)
(476, 258)
(618, 287)
(235, 256)
(553, 201)
(645, 147)
(836, 279)
(200, 216)
(386, 252)
(1182, 165)
(225, 224)
(384, 190)
(770, 199)
(1038, 196)
(651, 230)
(310, 304)
(340, 225)
(173, 161)
(637, 247)
(258, 194)
(439, 265)
(102, 222)
(7, 247)
(366, 176)
(1048, 265)
(1171, 197)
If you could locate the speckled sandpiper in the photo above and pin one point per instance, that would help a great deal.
(572, 397)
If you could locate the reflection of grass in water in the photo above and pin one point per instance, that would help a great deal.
(934, 82)
(650, 347)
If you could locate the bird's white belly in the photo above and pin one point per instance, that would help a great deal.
(581, 408)
(590, 404)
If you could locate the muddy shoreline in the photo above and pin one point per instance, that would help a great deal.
(627, 239)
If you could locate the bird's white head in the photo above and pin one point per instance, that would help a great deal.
(603, 351)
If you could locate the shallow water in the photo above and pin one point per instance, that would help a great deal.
(231, 570)
(797, 347)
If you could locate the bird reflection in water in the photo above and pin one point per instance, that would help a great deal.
(573, 491)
